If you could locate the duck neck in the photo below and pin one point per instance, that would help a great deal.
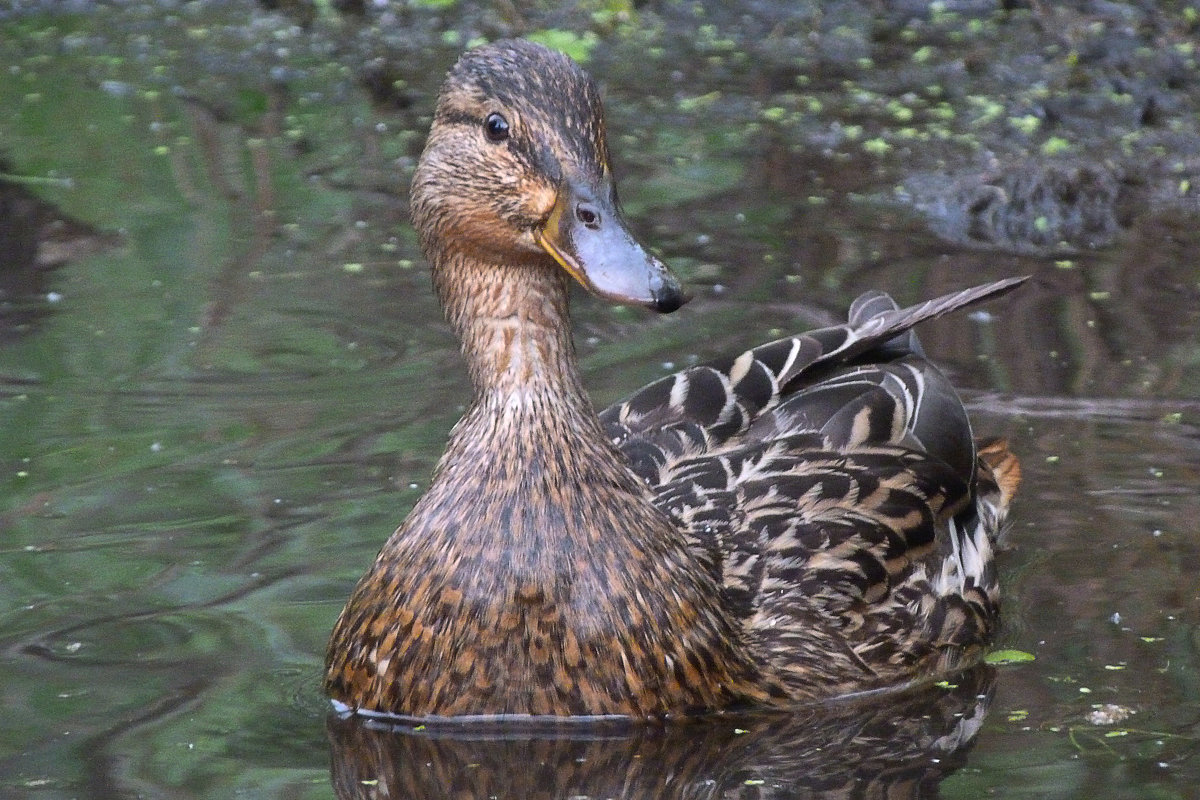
(515, 335)
(530, 452)
(535, 576)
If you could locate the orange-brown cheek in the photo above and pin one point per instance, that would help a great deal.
(483, 234)
(541, 200)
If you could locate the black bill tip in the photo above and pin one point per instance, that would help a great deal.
(668, 298)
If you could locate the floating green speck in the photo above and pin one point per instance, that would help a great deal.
(576, 46)
(701, 102)
(997, 657)
(876, 146)
(1027, 124)
(1055, 145)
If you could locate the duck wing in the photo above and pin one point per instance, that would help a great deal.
(815, 474)
(704, 407)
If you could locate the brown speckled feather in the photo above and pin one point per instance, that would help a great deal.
(808, 519)
(817, 472)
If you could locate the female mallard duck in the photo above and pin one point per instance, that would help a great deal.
(808, 519)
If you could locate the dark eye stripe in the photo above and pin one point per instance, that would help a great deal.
(536, 156)
(458, 118)
(466, 118)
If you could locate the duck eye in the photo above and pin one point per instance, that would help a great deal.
(496, 127)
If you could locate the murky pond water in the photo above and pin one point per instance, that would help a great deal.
(224, 380)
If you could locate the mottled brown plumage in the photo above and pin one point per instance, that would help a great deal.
(808, 519)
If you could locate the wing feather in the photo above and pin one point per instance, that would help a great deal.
(827, 478)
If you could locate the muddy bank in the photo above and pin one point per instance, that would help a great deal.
(1026, 127)
(1029, 127)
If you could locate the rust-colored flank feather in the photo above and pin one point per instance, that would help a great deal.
(807, 519)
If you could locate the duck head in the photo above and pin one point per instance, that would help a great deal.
(516, 171)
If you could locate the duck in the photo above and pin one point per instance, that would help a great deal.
(809, 519)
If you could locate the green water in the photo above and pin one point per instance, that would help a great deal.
(224, 380)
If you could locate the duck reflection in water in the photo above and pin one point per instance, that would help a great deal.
(893, 746)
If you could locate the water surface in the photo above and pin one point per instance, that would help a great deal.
(224, 380)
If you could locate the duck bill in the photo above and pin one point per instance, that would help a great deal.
(588, 238)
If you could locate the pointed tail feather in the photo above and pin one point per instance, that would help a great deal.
(871, 304)
(887, 323)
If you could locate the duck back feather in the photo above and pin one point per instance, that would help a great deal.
(815, 472)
